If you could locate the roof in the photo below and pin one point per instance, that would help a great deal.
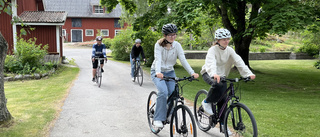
(43, 16)
(80, 8)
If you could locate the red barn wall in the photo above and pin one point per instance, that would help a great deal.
(91, 23)
(6, 30)
(45, 35)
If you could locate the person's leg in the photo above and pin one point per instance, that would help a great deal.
(132, 67)
(94, 68)
(170, 84)
(161, 106)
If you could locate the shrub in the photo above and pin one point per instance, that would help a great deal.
(107, 42)
(121, 45)
(12, 64)
(317, 64)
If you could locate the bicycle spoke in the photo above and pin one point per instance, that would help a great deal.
(151, 104)
(201, 118)
(183, 123)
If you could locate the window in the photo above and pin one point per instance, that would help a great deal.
(116, 23)
(76, 22)
(104, 32)
(64, 32)
(117, 32)
(89, 32)
(98, 9)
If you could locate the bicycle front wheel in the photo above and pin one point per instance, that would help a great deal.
(202, 119)
(140, 76)
(240, 121)
(99, 76)
(151, 108)
(182, 123)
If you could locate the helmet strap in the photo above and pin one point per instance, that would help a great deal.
(221, 47)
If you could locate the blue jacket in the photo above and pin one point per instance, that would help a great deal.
(98, 50)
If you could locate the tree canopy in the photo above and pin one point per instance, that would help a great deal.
(246, 19)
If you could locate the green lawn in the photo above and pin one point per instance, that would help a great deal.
(284, 97)
(34, 104)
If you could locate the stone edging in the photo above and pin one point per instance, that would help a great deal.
(28, 76)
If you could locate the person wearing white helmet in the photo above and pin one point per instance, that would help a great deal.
(166, 53)
(218, 63)
(135, 54)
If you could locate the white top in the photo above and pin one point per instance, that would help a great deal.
(165, 59)
(220, 62)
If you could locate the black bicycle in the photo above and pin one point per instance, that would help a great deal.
(238, 119)
(138, 72)
(179, 116)
(98, 76)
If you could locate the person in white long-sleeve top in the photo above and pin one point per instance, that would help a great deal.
(218, 63)
(166, 53)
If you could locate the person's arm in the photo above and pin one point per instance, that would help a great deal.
(241, 66)
(132, 52)
(183, 59)
(211, 63)
(93, 52)
(142, 53)
(104, 51)
(158, 59)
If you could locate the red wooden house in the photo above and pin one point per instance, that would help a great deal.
(85, 19)
(47, 24)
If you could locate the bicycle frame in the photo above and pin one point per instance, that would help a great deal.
(136, 66)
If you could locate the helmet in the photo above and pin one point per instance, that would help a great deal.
(169, 28)
(99, 38)
(222, 33)
(138, 41)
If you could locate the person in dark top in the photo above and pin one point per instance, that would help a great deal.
(134, 55)
(98, 50)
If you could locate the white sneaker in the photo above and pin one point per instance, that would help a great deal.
(132, 79)
(158, 124)
(229, 132)
(207, 107)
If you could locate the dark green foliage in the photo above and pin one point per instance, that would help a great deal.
(317, 64)
(107, 42)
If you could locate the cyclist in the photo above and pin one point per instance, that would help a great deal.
(218, 63)
(135, 52)
(166, 52)
(98, 50)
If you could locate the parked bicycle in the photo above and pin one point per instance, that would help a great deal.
(98, 76)
(179, 116)
(238, 117)
(138, 72)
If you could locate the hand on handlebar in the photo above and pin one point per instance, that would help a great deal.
(159, 75)
(216, 77)
(195, 75)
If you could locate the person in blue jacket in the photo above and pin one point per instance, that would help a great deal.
(98, 50)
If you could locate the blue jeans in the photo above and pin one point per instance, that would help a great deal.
(132, 65)
(165, 89)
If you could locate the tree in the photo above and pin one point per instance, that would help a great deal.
(5, 115)
(246, 19)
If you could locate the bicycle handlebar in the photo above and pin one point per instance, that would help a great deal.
(224, 79)
(177, 79)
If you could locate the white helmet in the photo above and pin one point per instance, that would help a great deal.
(138, 41)
(222, 33)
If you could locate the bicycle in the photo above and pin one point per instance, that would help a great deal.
(238, 117)
(179, 116)
(138, 72)
(98, 76)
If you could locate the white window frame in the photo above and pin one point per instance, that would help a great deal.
(98, 8)
(104, 30)
(117, 31)
(64, 32)
(90, 30)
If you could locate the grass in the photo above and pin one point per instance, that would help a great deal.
(34, 104)
(283, 98)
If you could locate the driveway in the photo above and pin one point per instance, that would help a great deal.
(116, 109)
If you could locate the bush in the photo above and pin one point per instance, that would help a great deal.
(28, 58)
(107, 42)
(122, 44)
(317, 64)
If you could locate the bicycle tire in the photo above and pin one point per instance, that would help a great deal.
(99, 76)
(202, 119)
(240, 121)
(151, 104)
(182, 122)
(140, 76)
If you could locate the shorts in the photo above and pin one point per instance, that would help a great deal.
(95, 62)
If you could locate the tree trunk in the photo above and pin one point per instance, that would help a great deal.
(242, 47)
(5, 115)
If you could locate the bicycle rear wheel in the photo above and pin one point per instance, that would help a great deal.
(202, 119)
(182, 123)
(151, 107)
(140, 76)
(240, 121)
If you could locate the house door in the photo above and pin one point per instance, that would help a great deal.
(76, 35)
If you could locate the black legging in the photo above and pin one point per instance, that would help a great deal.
(215, 92)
